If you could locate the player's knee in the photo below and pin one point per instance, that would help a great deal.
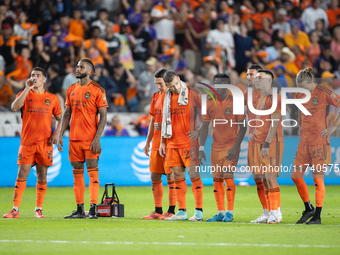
(155, 177)
(77, 165)
(91, 163)
(169, 177)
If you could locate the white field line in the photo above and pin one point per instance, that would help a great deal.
(172, 243)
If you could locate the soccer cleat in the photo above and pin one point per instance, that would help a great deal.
(313, 221)
(217, 217)
(38, 214)
(198, 216)
(180, 215)
(262, 219)
(228, 217)
(272, 219)
(11, 214)
(154, 216)
(167, 215)
(279, 216)
(305, 216)
(92, 213)
(76, 215)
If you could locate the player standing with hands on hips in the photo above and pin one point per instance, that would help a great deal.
(37, 107)
(85, 99)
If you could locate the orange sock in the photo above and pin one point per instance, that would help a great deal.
(157, 190)
(20, 186)
(79, 185)
(261, 194)
(302, 189)
(181, 193)
(219, 193)
(230, 186)
(319, 191)
(273, 194)
(197, 189)
(41, 191)
(93, 185)
(172, 192)
(266, 191)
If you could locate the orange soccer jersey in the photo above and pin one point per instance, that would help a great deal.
(181, 119)
(261, 131)
(251, 116)
(223, 133)
(36, 116)
(85, 102)
(156, 111)
(318, 106)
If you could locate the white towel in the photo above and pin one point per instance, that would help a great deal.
(183, 99)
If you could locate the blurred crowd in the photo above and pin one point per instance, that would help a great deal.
(128, 40)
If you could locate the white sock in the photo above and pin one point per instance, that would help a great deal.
(222, 212)
(265, 211)
(274, 212)
(38, 208)
(230, 211)
(279, 210)
(16, 208)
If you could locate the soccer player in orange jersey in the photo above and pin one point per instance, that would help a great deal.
(85, 99)
(261, 191)
(225, 150)
(314, 146)
(37, 107)
(179, 103)
(268, 146)
(157, 163)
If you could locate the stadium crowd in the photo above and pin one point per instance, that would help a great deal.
(128, 40)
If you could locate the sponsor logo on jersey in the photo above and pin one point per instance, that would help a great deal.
(30, 100)
(104, 97)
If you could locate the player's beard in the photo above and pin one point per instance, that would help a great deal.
(81, 75)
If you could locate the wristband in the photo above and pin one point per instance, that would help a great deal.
(266, 145)
(335, 124)
(201, 148)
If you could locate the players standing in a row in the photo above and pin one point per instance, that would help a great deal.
(85, 99)
(157, 163)
(314, 146)
(178, 105)
(225, 148)
(36, 147)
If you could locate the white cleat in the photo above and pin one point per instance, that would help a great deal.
(272, 219)
(262, 219)
(180, 215)
(198, 216)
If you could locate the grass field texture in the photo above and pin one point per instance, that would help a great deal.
(132, 235)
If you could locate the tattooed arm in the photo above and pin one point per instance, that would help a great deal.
(64, 125)
(95, 145)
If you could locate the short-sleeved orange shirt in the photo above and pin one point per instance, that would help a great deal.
(84, 102)
(223, 133)
(93, 52)
(36, 114)
(5, 93)
(261, 133)
(183, 119)
(156, 111)
(318, 106)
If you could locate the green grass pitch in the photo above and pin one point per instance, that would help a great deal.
(132, 235)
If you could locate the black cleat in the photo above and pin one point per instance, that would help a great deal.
(313, 221)
(305, 216)
(92, 213)
(75, 215)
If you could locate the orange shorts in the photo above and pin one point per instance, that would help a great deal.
(80, 150)
(251, 155)
(158, 163)
(182, 157)
(313, 155)
(220, 162)
(41, 153)
(270, 164)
